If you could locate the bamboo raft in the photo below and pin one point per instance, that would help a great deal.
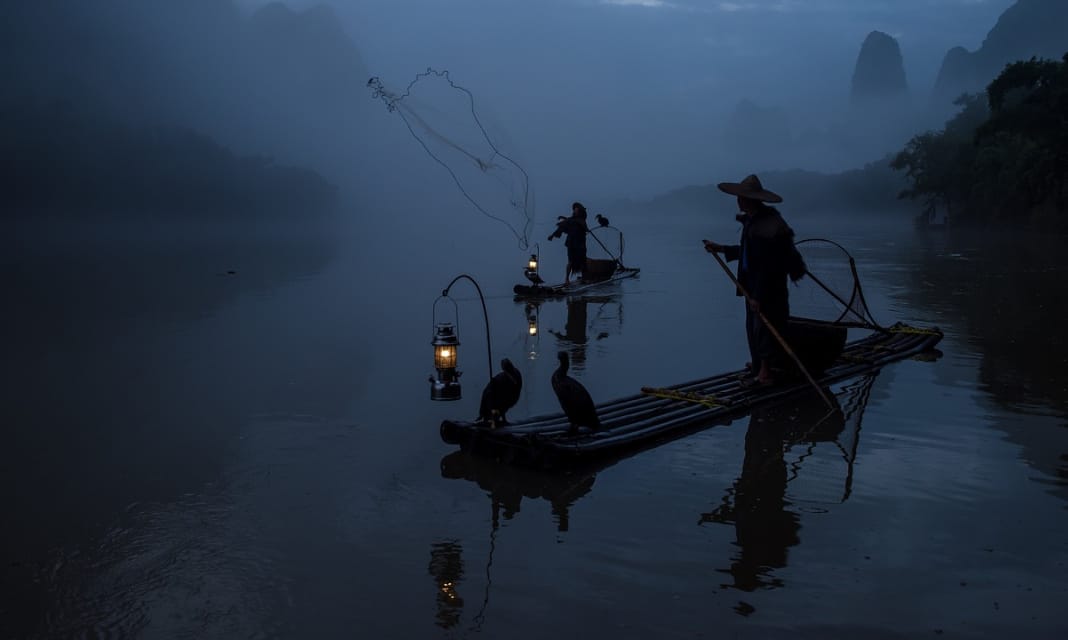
(523, 291)
(657, 415)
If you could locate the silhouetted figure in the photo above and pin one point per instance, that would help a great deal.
(501, 394)
(574, 399)
(767, 258)
(601, 220)
(575, 228)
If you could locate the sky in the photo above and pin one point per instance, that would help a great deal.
(583, 75)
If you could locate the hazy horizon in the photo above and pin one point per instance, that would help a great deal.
(640, 90)
(596, 99)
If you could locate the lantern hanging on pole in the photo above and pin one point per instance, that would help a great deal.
(446, 341)
(445, 385)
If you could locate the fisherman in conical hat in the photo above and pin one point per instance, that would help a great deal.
(767, 258)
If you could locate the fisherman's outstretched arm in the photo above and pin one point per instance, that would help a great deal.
(729, 251)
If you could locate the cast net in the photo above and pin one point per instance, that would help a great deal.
(442, 117)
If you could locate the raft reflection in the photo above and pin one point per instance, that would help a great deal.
(757, 504)
(508, 485)
(778, 440)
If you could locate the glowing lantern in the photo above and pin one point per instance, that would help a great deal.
(446, 386)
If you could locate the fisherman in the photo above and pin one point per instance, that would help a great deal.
(766, 258)
(576, 230)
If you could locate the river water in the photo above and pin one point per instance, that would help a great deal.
(230, 435)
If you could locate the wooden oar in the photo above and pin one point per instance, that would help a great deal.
(775, 332)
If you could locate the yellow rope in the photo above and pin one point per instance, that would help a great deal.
(904, 328)
(686, 396)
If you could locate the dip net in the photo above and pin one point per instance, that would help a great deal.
(831, 289)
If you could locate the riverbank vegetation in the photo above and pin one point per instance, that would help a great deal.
(1003, 158)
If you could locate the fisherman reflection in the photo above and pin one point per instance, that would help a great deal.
(447, 567)
(575, 332)
(575, 337)
(764, 524)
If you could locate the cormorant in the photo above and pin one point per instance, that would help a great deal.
(601, 220)
(574, 399)
(501, 394)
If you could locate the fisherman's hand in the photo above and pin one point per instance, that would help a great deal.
(713, 247)
(754, 305)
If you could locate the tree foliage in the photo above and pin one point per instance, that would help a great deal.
(1004, 157)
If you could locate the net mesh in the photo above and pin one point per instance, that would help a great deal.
(831, 288)
(442, 117)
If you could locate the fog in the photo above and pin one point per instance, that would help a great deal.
(225, 247)
(598, 99)
(631, 98)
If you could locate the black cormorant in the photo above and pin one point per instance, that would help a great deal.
(574, 399)
(601, 220)
(500, 394)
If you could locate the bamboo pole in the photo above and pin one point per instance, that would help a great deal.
(775, 332)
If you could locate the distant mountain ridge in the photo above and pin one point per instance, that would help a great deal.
(879, 74)
(881, 110)
(1027, 28)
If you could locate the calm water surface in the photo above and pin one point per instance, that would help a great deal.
(190, 452)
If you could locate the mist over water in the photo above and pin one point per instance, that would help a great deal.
(254, 467)
(221, 255)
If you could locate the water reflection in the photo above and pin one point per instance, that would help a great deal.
(1007, 313)
(508, 485)
(1005, 307)
(447, 568)
(590, 318)
(767, 522)
(756, 505)
(532, 336)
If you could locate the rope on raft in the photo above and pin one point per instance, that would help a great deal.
(712, 402)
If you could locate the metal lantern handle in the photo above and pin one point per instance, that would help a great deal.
(485, 314)
(434, 313)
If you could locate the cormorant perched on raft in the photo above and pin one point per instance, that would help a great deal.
(501, 394)
(574, 399)
(601, 220)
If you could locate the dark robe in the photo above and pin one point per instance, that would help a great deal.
(767, 259)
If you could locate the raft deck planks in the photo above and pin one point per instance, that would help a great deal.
(643, 420)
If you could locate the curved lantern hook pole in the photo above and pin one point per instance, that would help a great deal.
(485, 314)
